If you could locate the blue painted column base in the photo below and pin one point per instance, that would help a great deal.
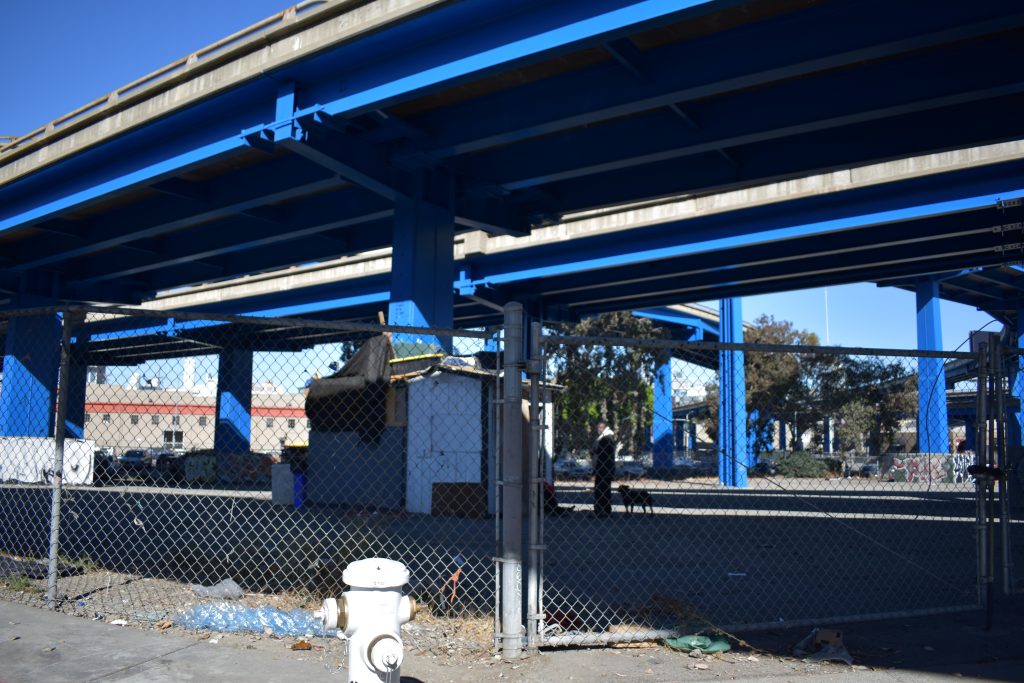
(234, 402)
(663, 435)
(31, 365)
(932, 412)
(422, 271)
(733, 447)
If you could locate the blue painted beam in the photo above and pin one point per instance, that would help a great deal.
(932, 417)
(600, 255)
(694, 327)
(239, 238)
(818, 103)
(733, 447)
(248, 189)
(802, 154)
(29, 391)
(547, 30)
(234, 402)
(149, 174)
(784, 52)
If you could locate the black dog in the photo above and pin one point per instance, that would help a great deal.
(631, 498)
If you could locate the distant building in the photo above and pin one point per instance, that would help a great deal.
(124, 417)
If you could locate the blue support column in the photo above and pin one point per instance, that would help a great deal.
(422, 271)
(782, 435)
(733, 457)
(932, 417)
(1015, 421)
(31, 365)
(826, 443)
(78, 377)
(663, 435)
(234, 402)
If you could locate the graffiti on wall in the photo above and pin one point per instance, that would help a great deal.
(960, 463)
(928, 467)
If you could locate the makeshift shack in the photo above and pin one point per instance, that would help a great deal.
(415, 434)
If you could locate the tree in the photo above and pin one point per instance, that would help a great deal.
(606, 382)
(776, 382)
(865, 398)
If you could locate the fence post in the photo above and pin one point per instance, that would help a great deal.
(57, 478)
(512, 487)
(535, 473)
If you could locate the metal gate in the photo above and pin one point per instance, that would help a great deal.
(810, 485)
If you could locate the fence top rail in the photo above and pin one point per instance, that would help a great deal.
(669, 344)
(255, 321)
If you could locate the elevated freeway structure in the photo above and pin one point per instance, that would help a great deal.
(808, 143)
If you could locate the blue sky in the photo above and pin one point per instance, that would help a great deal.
(59, 55)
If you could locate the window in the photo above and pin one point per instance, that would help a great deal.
(154, 420)
(175, 420)
(134, 419)
(270, 422)
(202, 420)
(174, 439)
(291, 424)
(106, 418)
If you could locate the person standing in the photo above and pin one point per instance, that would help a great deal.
(603, 456)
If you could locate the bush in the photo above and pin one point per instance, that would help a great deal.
(801, 464)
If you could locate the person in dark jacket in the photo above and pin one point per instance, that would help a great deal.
(603, 457)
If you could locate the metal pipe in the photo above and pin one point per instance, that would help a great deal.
(981, 434)
(1000, 462)
(57, 479)
(607, 638)
(512, 485)
(535, 469)
(499, 478)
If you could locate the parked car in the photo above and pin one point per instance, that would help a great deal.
(104, 467)
(765, 467)
(133, 464)
(168, 464)
(629, 469)
(567, 468)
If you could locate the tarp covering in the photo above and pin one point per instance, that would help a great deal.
(354, 399)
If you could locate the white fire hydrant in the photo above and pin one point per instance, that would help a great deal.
(370, 615)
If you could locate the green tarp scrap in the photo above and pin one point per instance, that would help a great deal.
(702, 643)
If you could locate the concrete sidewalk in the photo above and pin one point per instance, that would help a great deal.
(36, 645)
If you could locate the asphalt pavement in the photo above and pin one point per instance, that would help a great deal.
(38, 645)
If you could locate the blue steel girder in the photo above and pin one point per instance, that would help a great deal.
(818, 103)
(321, 228)
(323, 140)
(783, 158)
(790, 47)
(471, 88)
(515, 34)
(661, 251)
(669, 265)
(224, 197)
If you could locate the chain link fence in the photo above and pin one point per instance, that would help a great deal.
(746, 486)
(154, 461)
(251, 459)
